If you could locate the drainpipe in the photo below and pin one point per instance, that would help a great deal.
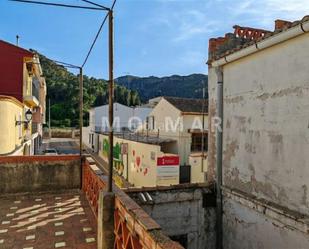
(219, 134)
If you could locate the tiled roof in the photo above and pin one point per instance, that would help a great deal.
(244, 37)
(188, 105)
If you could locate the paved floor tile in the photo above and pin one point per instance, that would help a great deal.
(90, 240)
(60, 244)
(59, 233)
(30, 237)
(27, 223)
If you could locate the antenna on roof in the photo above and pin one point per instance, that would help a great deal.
(17, 40)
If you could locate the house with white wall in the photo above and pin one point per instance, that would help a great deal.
(259, 87)
(181, 119)
(125, 119)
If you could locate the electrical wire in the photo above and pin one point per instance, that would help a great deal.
(57, 4)
(101, 7)
(95, 4)
(98, 33)
(95, 40)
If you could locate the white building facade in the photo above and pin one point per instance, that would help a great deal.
(265, 162)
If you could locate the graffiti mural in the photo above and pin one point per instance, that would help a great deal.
(118, 160)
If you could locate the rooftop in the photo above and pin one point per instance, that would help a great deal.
(187, 105)
(246, 36)
(142, 137)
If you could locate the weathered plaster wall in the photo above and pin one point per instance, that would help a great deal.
(266, 133)
(39, 173)
(212, 113)
(245, 228)
(181, 212)
(265, 147)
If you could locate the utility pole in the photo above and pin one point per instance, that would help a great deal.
(49, 128)
(111, 99)
(81, 106)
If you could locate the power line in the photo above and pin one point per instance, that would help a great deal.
(101, 7)
(113, 5)
(95, 40)
(95, 4)
(98, 33)
(57, 4)
(65, 64)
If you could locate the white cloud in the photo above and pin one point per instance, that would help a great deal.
(265, 12)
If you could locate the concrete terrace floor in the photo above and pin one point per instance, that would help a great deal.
(45, 221)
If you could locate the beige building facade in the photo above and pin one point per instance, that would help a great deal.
(22, 101)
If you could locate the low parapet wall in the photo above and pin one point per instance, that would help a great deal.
(23, 174)
(133, 227)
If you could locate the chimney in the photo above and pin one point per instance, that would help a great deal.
(17, 40)
(281, 24)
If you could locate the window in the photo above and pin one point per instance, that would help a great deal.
(196, 144)
(150, 123)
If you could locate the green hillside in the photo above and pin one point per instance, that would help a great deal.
(190, 86)
(63, 89)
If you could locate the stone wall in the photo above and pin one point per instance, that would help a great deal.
(181, 213)
(39, 173)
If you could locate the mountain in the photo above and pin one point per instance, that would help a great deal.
(63, 92)
(190, 86)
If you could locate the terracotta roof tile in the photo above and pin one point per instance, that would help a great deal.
(244, 37)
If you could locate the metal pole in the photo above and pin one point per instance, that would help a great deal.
(49, 128)
(111, 100)
(17, 40)
(81, 111)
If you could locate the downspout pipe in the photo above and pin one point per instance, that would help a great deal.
(219, 139)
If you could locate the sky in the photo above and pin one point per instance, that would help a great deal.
(152, 37)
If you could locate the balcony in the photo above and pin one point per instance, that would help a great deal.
(31, 101)
(64, 208)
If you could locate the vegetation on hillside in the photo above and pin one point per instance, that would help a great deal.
(190, 86)
(63, 92)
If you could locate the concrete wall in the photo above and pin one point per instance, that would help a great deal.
(39, 173)
(265, 146)
(139, 166)
(266, 115)
(245, 228)
(199, 167)
(181, 212)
